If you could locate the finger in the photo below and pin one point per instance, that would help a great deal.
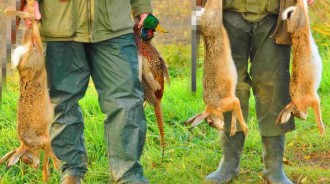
(140, 24)
(309, 2)
(36, 10)
(142, 17)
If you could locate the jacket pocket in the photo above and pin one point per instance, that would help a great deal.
(57, 19)
(119, 14)
(273, 6)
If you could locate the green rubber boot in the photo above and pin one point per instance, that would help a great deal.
(273, 149)
(229, 164)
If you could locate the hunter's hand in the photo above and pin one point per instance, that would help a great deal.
(309, 2)
(142, 17)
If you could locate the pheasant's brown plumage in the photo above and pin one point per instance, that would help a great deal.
(153, 73)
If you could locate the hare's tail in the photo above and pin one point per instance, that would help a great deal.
(286, 13)
(18, 54)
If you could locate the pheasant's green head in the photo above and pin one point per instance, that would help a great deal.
(151, 22)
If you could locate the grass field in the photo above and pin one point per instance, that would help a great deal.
(189, 155)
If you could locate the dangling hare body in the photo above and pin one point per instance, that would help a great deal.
(220, 75)
(306, 67)
(35, 111)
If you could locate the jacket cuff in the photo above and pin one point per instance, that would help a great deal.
(141, 6)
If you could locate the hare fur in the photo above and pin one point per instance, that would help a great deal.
(306, 67)
(35, 111)
(220, 75)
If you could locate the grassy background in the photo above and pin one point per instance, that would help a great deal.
(189, 155)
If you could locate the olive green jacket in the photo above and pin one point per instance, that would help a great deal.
(255, 10)
(88, 20)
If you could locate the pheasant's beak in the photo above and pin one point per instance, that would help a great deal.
(161, 29)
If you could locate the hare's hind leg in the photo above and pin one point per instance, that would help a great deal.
(233, 123)
(45, 167)
(238, 111)
(317, 111)
(55, 160)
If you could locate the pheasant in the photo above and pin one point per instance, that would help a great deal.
(152, 72)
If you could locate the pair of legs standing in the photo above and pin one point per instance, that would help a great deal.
(268, 76)
(113, 66)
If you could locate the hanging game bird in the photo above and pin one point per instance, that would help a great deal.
(152, 75)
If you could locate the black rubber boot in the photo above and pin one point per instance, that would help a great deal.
(72, 180)
(229, 165)
(272, 153)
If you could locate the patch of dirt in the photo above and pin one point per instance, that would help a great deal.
(318, 159)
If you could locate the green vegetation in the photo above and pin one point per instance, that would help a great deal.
(189, 155)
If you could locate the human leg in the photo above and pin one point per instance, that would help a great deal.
(114, 72)
(270, 84)
(228, 168)
(68, 76)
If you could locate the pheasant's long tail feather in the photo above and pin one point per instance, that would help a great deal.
(160, 122)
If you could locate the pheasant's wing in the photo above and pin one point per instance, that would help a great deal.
(148, 76)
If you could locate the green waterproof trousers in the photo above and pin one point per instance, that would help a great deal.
(113, 66)
(268, 73)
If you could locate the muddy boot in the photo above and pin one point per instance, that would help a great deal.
(273, 149)
(229, 165)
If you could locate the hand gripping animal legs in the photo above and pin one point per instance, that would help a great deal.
(35, 111)
(220, 75)
(306, 67)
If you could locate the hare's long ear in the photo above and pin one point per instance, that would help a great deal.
(285, 114)
(14, 159)
(197, 119)
(8, 155)
(287, 12)
(290, 15)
